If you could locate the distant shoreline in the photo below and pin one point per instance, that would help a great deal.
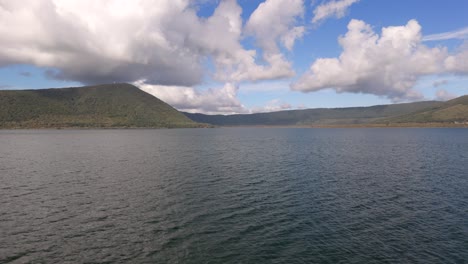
(401, 125)
(91, 128)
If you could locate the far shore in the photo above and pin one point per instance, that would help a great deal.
(395, 125)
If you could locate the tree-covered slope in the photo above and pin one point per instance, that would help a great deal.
(109, 105)
(452, 111)
(322, 116)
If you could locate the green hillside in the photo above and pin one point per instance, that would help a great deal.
(109, 105)
(453, 111)
(322, 116)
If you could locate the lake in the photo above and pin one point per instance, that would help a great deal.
(234, 195)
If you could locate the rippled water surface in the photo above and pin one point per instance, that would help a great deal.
(237, 195)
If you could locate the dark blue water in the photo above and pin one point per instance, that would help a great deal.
(234, 196)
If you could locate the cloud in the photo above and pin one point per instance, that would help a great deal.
(94, 42)
(336, 9)
(212, 101)
(458, 63)
(272, 106)
(456, 34)
(276, 20)
(273, 22)
(443, 95)
(164, 43)
(388, 65)
(439, 83)
(216, 100)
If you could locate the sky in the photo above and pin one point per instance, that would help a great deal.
(244, 56)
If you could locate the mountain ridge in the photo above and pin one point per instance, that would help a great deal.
(456, 111)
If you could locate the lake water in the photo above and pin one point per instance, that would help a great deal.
(234, 195)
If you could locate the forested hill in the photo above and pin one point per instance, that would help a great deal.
(108, 105)
(453, 111)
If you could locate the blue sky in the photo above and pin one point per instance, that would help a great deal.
(233, 56)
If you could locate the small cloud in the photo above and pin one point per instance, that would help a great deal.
(336, 9)
(25, 74)
(456, 34)
(301, 106)
(443, 95)
(439, 83)
(4, 86)
(272, 106)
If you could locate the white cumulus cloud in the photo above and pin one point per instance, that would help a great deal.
(102, 41)
(458, 63)
(275, 22)
(385, 65)
(163, 42)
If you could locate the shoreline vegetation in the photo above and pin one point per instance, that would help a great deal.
(401, 125)
(124, 106)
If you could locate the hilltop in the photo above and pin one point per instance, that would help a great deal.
(428, 113)
(108, 105)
